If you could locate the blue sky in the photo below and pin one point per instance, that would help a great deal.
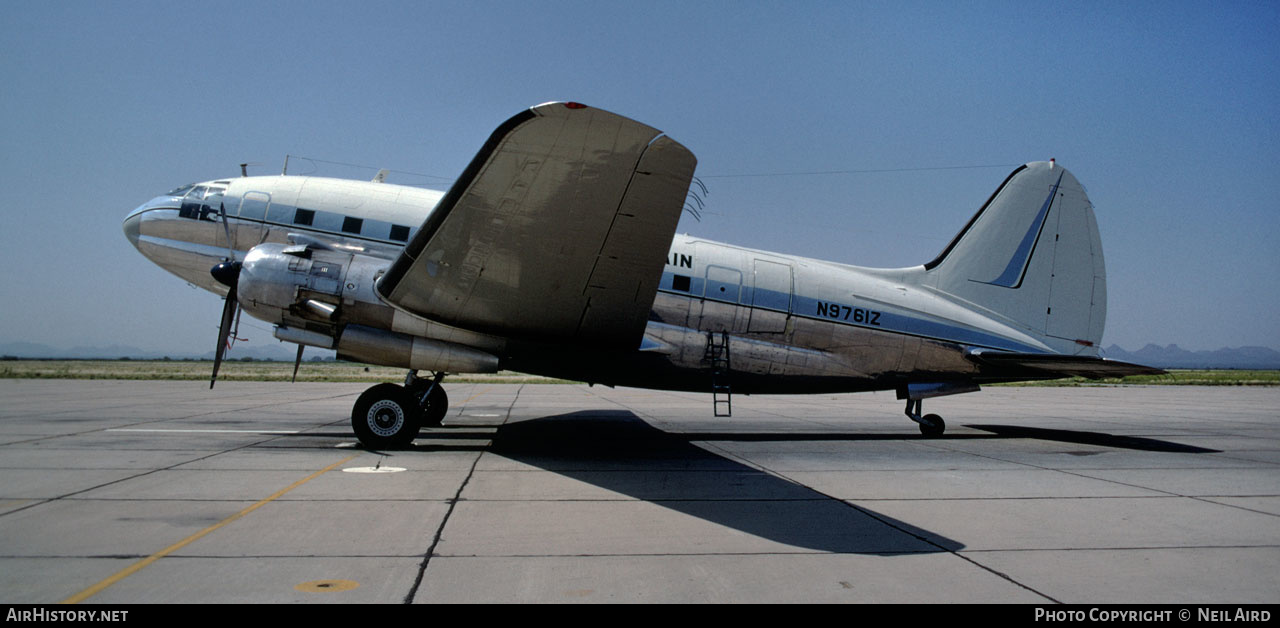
(1166, 111)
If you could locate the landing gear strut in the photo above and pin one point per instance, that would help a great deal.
(430, 396)
(388, 416)
(930, 424)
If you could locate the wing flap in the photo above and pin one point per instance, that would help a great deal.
(625, 278)
(558, 230)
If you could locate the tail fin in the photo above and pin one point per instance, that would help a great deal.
(1032, 256)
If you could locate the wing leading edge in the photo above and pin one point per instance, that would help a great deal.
(557, 230)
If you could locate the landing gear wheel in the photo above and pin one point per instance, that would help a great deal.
(932, 425)
(385, 417)
(435, 407)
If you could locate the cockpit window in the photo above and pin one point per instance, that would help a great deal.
(202, 203)
(179, 191)
(191, 203)
(213, 199)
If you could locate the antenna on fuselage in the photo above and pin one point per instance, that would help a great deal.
(285, 170)
(696, 212)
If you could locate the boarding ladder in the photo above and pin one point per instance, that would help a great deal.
(717, 357)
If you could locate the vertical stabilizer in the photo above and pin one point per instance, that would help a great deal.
(1032, 257)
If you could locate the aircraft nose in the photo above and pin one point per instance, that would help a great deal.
(132, 224)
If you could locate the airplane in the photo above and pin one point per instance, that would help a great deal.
(555, 253)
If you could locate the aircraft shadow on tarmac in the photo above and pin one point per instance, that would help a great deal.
(1138, 443)
(617, 451)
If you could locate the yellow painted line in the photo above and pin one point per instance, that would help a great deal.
(326, 586)
(136, 567)
(468, 399)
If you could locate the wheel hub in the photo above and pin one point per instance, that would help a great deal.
(386, 418)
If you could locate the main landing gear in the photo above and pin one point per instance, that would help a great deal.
(388, 416)
(930, 424)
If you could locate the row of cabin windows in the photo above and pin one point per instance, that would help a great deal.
(205, 203)
(305, 217)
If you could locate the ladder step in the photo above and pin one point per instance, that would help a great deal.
(717, 356)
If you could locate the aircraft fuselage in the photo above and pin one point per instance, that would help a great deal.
(796, 324)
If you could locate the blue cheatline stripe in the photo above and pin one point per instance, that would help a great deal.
(1012, 275)
(890, 322)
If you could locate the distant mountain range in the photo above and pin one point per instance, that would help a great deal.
(1171, 356)
(1175, 357)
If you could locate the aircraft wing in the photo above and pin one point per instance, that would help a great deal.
(557, 230)
(1056, 365)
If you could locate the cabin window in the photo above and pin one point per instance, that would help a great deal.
(352, 225)
(680, 282)
(304, 217)
(400, 233)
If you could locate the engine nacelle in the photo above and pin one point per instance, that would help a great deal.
(389, 348)
(324, 298)
(288, 284)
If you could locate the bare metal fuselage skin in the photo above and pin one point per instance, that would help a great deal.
(797, 325)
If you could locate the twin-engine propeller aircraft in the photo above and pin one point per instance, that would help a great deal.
(554, 253)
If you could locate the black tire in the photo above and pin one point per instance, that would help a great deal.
(933, 425)
(385, 417)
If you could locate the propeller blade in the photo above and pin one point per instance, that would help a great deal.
(228, 274)
(229, 309)
(226, 229)
(297, 362)
(235, 329)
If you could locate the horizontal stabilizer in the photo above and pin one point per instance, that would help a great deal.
(1043, 365)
